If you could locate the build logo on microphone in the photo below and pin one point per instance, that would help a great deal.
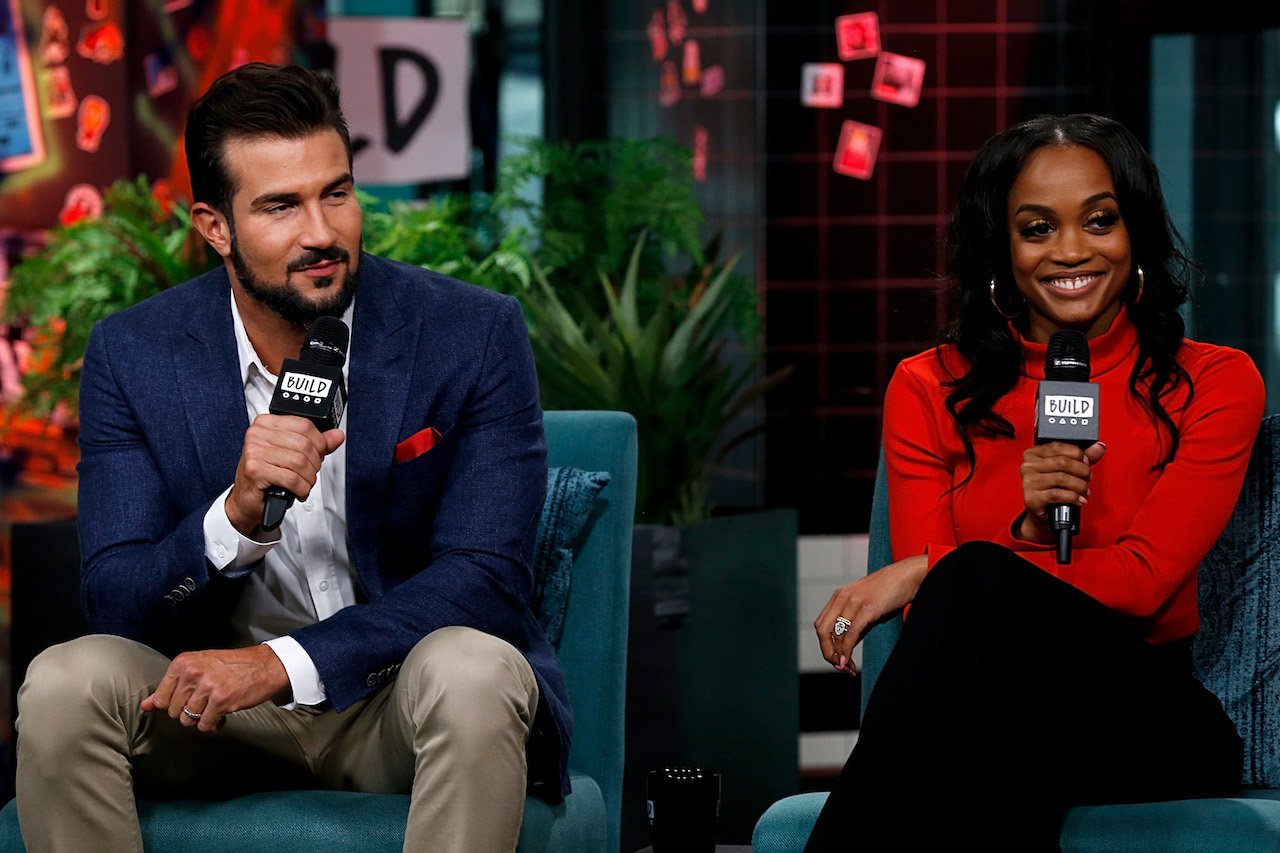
(304, 387)
(1068, 408)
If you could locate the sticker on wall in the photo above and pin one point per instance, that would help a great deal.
(691, 66)
(677, 21)
(198, 42)
(657, 32)
(162, 76)
(97, 10)
(898, 79)
(55, 38)
(857, 149)
(103, 43)
(91, 122)
(822, 84)
(669, 86)
(858, 36)
(712, 81)
(700, 139)
(83, 201)
(59, 93)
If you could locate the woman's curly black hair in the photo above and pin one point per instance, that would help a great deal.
(977, 245)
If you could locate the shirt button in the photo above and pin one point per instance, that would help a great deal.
(324, 586)
(307, 506)
(220, 551)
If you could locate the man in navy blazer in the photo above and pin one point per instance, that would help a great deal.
(382, 638)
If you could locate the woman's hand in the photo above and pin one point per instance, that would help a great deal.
(1053, 473)
(865, 602)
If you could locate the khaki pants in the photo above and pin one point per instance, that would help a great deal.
(450, 729)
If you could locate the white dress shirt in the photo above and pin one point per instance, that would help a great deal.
(305, 574)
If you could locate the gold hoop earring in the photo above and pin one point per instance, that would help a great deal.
(1142, 282)
(996, 305)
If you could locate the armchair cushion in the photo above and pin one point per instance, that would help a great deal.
(571, 494)
(1240, 613)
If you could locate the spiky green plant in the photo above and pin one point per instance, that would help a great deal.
(665, 365)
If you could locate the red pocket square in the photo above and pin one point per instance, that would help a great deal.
(417, 444)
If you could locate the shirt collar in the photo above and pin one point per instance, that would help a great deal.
(248, 356)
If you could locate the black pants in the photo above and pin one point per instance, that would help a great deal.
(1010, 696)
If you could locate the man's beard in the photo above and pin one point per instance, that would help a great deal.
(287, 302)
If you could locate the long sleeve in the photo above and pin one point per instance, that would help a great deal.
(144, 568)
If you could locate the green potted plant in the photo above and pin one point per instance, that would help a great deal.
(139, 245)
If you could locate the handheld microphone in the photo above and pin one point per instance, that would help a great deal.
(1066, 410)
(310, 386)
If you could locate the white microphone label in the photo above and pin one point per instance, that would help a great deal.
(1066, 406)
(301, 383)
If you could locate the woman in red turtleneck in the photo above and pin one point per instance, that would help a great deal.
(1019, 686)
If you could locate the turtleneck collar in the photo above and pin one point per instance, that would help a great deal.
(1106, 352)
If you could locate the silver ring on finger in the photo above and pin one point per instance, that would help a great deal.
(190, 714)
(842, 626)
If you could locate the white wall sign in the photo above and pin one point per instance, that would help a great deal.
(405, 85)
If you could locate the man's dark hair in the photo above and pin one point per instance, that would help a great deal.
(251, 102)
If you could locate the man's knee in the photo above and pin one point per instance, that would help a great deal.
(98, 670)
(465, 673)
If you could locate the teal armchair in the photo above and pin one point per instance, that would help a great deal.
(1234, 657)
(593, 652)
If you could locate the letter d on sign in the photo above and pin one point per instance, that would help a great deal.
(406, 85)
(400, 133)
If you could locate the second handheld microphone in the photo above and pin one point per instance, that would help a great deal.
(1066, 410)
(311, 386)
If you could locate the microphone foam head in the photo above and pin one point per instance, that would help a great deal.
(326, 342)
(1067, 357)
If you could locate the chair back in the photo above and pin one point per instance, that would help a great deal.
(879, 641)
(593, 648)
(1239, 601)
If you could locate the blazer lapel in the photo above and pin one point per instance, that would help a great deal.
(383, 343)
(204, 355)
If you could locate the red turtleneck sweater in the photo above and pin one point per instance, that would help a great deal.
(1143, 531)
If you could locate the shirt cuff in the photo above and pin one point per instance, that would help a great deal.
(1009, 539)
(304, 679)
(230, 552)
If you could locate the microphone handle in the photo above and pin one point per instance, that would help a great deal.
(1064, 520)
(275, 500)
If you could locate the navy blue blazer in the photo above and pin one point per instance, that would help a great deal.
(445, 538)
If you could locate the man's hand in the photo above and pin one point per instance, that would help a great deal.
(279, 450)
(865, 602)
(214, 683)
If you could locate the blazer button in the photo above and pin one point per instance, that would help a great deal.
(372, 680)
